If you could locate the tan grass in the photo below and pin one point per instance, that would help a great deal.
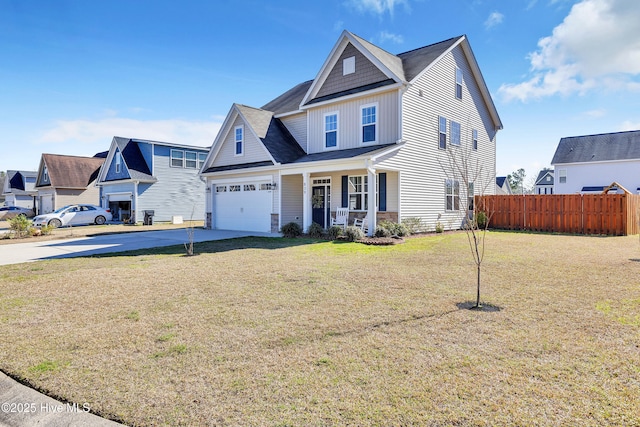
(295, 332)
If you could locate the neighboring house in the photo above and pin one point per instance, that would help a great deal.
(64, 180)
(587, 164)
(19, 189)
(374, 132)
(502, 186)
(140, 175)
(544, 182)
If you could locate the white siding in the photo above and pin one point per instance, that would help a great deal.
(297, 126)
(254, 151)
(597, 174)
(424, 166)
(349, 121)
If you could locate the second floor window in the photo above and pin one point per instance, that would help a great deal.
(201, 159)
(331, 130)
(458, 83)
(442, 133)
(369, 122)
(191, 160)
(474, 135)
(118, 161)
(562, 174)
(177, 158)
(238, 138)
(455, 133)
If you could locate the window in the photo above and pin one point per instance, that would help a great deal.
(234, 188)
(442, 126)
(118, 161)
(177, 158)
(369, 121)
(474, 136)
(191, 160)
(349, 65)
(238, 138)
(452, 195)
(455, 133)
(562, 175)
(221, 188)
(201, 159)
(358, 193)
(470, 194)
(249, 187)
(331, 130)
(45, 174)
(548, 178)
(458, 83)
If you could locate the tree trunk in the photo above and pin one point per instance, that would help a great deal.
(478, 293)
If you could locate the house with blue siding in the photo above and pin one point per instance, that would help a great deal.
(381, 134)
(140, 175)
(20, 189)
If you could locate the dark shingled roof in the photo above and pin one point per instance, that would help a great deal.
(542, 174)
(351, 91)
(290, 100)
(133, 159)
(414, 61)
(500, 180)
(239, 166)
(598, 148)
(71, 171)
(341, 154)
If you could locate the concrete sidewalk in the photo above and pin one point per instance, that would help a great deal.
(23, 406)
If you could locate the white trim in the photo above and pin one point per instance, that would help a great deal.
(375, 123)
(241, 179)
(324, 130)
(370, 92)
(235, 141)
(349, 65)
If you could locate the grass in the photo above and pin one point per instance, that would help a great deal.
(299, 332)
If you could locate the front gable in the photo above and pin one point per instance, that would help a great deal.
(43, 179)
(117, 168)
(252, 151)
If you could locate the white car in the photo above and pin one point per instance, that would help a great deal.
(74, 215)
(8, 212)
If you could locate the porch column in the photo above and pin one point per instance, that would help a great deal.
(372, 208)
(307, 217)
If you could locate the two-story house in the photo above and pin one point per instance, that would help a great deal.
(373, 131)
(140, 175)
(590, 163)
(544, 182)
(20, 189)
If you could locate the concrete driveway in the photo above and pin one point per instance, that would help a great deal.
(83, 246)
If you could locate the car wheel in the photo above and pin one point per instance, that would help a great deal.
(100, 220)
(55, 223)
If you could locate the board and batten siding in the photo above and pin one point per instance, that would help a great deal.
(297, 126)
(350, 119)
(178, 191)
(254, 151)
(424, 166)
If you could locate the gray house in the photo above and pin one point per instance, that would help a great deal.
(20, 189)
(373, 132)
(544, 182)
(140, 175)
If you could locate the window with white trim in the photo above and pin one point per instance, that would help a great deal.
(331, 130)
(455, 133)
(118, 161)
(45, 174)
(474, 136)
(452, 195)
(202, 157)
(470, 195)
(562, 176)
(238, 137)
(191, 159)
(177, 158)
(458, 83)
(358, 193)
(442, 133)
(369, 123)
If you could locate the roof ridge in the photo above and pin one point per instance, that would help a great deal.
(432, 44)
(602, 134)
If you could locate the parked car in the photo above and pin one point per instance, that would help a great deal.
(8, 212)
(74, 215)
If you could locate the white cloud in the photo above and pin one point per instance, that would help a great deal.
(94, 136)
(494, 19)
(595, 114)
(597, 45)
(629, 125)
(385, 36)
(378, 7)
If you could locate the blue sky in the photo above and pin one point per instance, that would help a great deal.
(75, 73)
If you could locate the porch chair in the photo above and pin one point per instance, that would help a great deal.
(363, 223)
(342, 217)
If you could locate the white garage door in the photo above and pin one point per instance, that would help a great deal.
(242, 206)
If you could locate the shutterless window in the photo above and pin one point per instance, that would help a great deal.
(177, 158)
(474, 135)
(191, 159)
(369, 121)
(118, 162)
(349, 65)
(458, 83)
(201, 159)
(238, 137)
(452, 195)
(331, 130)
(442, 126)
(455, 133)
(562, 175)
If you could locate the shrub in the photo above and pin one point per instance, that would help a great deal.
(394, 228)
(291, 229)
(481, 220)
(315, 230)
(413, 224)
(20, 226)
(353, 233)
(439, 227)
(334, 232)
(382, 231)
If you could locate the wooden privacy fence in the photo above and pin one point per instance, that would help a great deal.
(604, 214)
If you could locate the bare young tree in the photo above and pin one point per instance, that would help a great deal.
(464, 167)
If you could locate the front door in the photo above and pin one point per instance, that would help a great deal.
(321, 206)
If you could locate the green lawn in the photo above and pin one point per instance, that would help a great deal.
(297, 332)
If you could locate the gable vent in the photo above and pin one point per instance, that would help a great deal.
(349, 65)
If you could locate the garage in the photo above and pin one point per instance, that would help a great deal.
(242, 206)
(120, 206)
